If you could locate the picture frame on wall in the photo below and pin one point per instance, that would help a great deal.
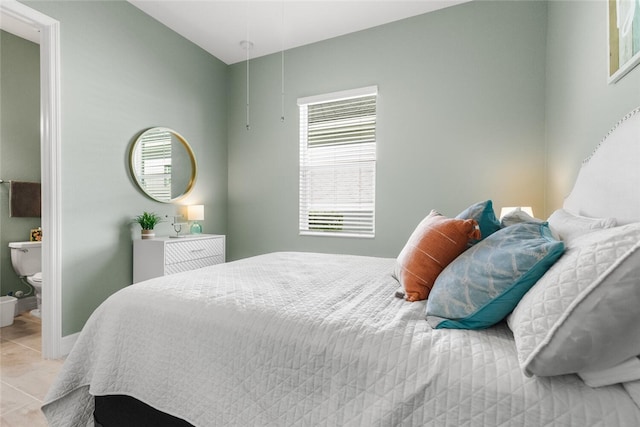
(624, 37)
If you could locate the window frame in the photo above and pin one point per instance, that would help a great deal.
(360, 213)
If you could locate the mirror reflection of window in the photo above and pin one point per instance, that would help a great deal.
(153, 163)
(163, 164)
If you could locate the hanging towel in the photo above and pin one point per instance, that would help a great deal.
(24, 199)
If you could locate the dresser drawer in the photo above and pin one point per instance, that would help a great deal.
(165, 255)
(192, 265)
(191, 250)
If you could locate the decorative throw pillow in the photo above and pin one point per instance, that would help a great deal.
(485, 283)
(583, 314)
(484, 215)
(567, 226)
(517, 216)
(436, 242)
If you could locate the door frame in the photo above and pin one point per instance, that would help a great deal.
(53, 345)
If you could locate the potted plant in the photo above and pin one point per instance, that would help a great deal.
(148, 221)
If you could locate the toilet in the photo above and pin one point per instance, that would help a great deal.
(26, 258)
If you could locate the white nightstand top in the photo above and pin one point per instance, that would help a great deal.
(185, 237)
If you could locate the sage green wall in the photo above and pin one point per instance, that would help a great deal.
(475, 101)
(19, 142)
(581, 107)
(123, 72)
(460, 119)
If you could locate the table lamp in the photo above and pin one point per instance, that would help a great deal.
(509, 209)
(195, 213)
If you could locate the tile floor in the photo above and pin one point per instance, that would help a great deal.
(24, 376)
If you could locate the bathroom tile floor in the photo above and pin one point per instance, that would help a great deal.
(24, 376)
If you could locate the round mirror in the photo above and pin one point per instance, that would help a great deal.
(163, 164)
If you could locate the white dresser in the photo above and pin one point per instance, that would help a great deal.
(165, 255)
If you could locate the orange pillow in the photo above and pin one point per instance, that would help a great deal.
(435, 242)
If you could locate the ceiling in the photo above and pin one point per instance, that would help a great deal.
(220, 27)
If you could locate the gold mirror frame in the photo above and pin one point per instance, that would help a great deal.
(135, 153)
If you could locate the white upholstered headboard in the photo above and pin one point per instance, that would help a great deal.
(608, 183)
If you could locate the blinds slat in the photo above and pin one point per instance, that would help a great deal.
(341, 122)
(337, 167)
(154, 164)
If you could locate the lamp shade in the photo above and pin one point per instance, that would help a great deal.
(507, 210)
(195, 212)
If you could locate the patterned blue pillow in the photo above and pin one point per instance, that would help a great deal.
(484, 284)
(484, 215)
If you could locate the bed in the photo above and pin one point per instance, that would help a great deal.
(287, 339)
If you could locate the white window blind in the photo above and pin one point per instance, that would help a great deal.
(153, 161)
(338, 163)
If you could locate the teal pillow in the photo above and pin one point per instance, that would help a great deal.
(484, 215)
(484, 284)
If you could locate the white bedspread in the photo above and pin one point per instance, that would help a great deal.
(309, 339)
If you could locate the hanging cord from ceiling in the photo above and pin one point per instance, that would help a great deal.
(282, 68)
(247, 45)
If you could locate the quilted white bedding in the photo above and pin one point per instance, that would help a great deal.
(309, 339)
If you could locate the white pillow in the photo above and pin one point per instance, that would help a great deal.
(583, 315)
(567, 226)
(629, 370)
(633, 388)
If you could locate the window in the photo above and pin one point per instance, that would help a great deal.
(338, 163)
(153, 161)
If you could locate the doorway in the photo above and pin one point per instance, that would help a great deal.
(12, 12)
